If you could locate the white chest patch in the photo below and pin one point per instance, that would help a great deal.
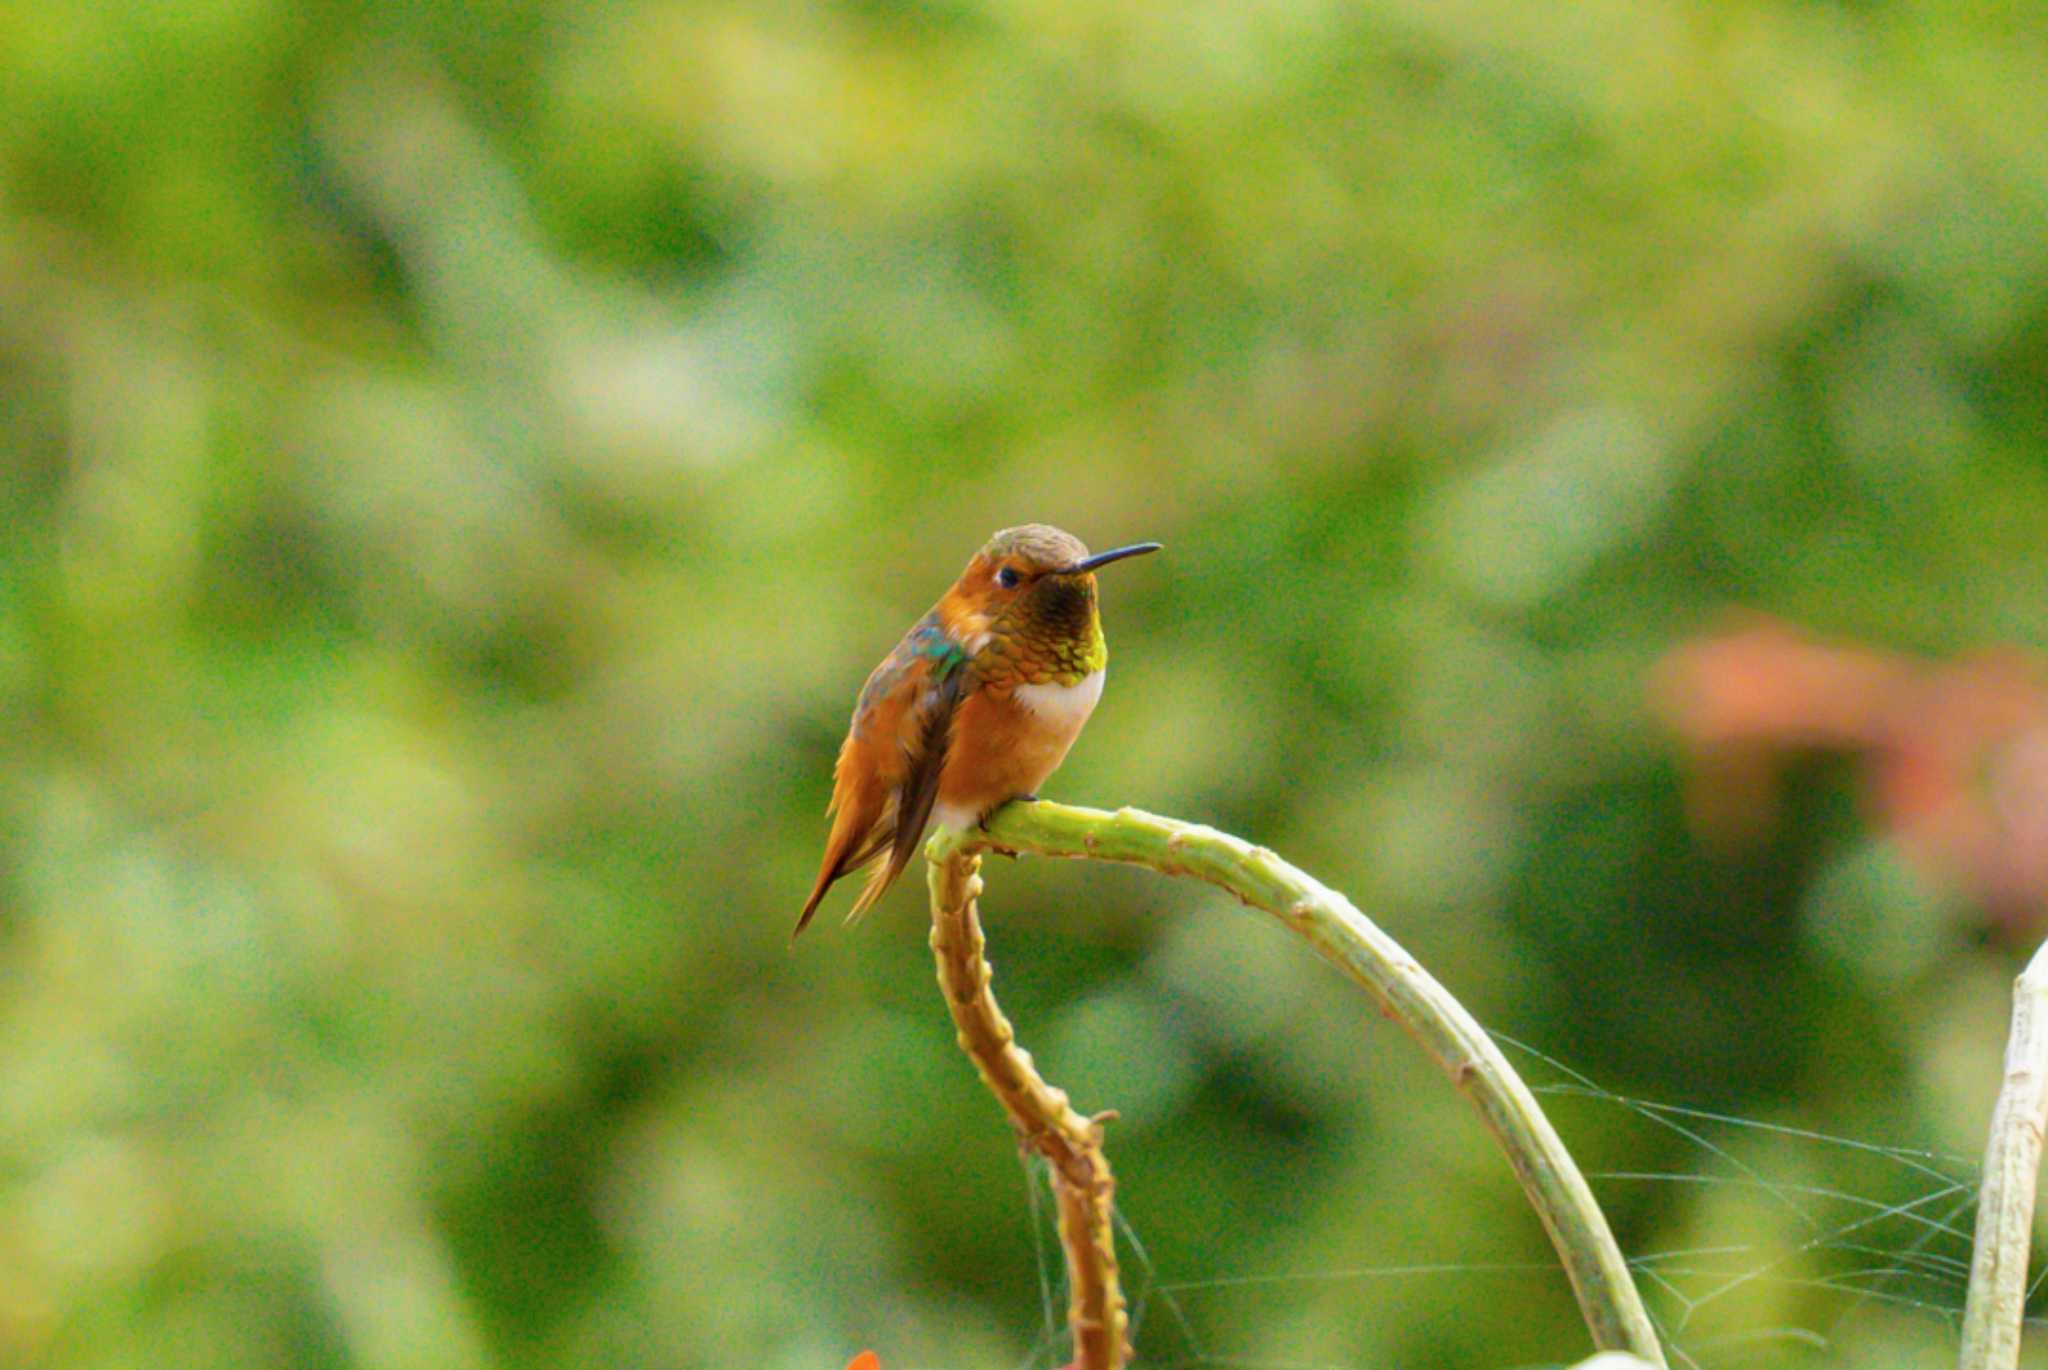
(1064, 706)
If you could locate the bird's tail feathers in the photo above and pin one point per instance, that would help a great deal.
(885, 874)
(876, 844)
(825, 879)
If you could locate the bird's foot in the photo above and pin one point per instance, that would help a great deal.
(982, 822)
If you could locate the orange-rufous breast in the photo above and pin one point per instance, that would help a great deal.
(1007, 742)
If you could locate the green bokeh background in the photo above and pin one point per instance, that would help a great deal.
(458, 462)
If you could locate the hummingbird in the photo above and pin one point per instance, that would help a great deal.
(977, 705)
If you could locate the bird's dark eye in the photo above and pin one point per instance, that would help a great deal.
(1007, 577)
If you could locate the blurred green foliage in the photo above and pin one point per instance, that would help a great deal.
(459, 461)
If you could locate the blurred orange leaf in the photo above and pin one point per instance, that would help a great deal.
(1954, 754)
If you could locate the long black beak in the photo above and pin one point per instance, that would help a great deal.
(1136, 549)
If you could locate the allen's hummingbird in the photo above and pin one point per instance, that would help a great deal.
(976, 706)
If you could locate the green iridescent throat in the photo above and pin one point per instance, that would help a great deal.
(1053, 635)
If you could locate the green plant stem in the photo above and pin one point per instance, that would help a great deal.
(1593, 1263)
(2012, 1166)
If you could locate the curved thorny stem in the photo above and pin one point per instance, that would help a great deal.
(1592, 1261)
(1044, 1119)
